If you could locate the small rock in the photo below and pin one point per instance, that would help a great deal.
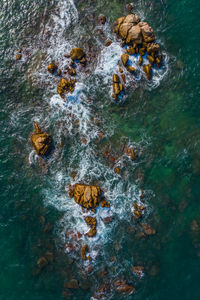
(108, 43)
(124, 59)
(52, 67)
(102, 19)
(18, 56)
(117, 170)
(42, 262)
(72, 284)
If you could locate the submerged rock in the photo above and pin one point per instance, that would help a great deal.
(77, 53)
(40, 140)
(42, 262)
(72, 284)
(123, 287)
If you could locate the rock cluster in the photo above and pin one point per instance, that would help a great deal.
(117, 86)
(140, 39)
(92, 222)
(65, 86)
(40, 140)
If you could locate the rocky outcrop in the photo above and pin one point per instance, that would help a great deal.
(92, 222)
(147, 32)
(77, 53)
(65, 86)
(122, 287)
(88, 196)
(41, 140)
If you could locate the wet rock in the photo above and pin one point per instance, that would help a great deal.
(148, 230)
(140, 62)
(120, 70)
(65, 86)
(40, 140)
(72, 284)
(151, 59)
(83, 61)
(92, 222)
(130, 69)
(123, 77)
(49, 256)
(77, 53)
(18, 56)
(131, 50)
(124, 59)
(102, 19)
(105, 203)
(117, 170)
(142, 51)
(72, 72)
(116, 78)
(59, 72)
(84, 251)
(52, 67)
(148, 71)
(42, 262)
(147, 32)
(108, 43)
(153, 48)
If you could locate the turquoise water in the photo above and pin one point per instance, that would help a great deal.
(161, 122)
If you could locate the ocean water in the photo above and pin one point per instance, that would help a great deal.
(160, 120)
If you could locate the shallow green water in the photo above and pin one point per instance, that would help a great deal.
(162, 122)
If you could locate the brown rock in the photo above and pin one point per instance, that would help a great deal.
(40, 140)
(77, 53)
(116, 78)
(123, 287)
(18, 56)
(123, 77)
(124, 58)
(52, 67)
(87, 196)
(107, 220)
(134, 35)
(72, 72)
(140, 62)
(130, 69)
(102, 19)
(108, 43)
(65, 86)
(105, 203)
(84, 250)
(58, 72)
(117, 170)
(147, 32)
(153, 48)
(148, 71)
(130, 50)
(151, 59)
(138, 270)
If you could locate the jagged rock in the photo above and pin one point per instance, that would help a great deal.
(59, 72)
(148, 71)
(123, 77)
(124, 59)
(52, 67)
(131, 50)
(77, 53)
(117, 170)
(105, 203)
(84, 250)
(134, 35)
(40, 140)
(147, 32)
(65, 85)
(92, 222)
